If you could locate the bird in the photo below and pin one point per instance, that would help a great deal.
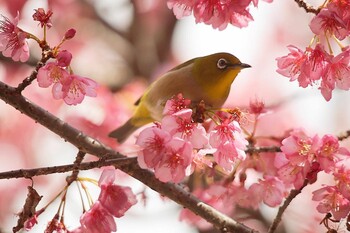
(206, 78)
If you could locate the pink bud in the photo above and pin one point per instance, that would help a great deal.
(64, 58)
(70, 34)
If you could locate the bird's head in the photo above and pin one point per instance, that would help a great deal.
(216, 72)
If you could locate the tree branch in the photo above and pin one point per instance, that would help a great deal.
(30, 173)
(286, 203)
(90, 145)
(307, 7)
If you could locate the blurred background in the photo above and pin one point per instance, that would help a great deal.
(124, 45)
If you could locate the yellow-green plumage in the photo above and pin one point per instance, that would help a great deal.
(206, 78)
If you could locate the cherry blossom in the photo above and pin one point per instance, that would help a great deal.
(230, 144)
(330, 153)
(50, 74)
(114, 198)
(331, 200)
(43, 17)
(299, 148)
(215, 12)
(74, 88)
(176, 104)
(153, 141)
(337, 74)
(13, 40)
(328, 23)
(270, 190)
(180, 124)
(97, 220)
(290, 65)
(175, 161)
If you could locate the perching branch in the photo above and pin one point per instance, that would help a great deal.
(90, 145)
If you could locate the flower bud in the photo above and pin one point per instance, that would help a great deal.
(69, 34)
(64, 58)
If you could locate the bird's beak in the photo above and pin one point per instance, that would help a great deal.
(239, 65)
(244, 65)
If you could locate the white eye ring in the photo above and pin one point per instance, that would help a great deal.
(222, 63)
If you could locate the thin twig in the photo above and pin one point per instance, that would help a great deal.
(78, 159)
(286, 203)
(27, 81)
(90, 145)
(344, 135)
(307, 7)
(254, 150)
(29, 173)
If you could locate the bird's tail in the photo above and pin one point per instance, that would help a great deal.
(123, 132)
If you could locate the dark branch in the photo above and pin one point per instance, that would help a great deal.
(286, 203)
(27, 81)
(89, 145)
(254, 150)
(30, 173)
(307, 7)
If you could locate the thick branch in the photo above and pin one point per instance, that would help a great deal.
(89, 145)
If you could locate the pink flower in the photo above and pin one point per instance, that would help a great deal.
(219, 14)
(42, 17)
(73, 89)
(314, 66)
(214, 12)
(181, 8)
(13, 40)
(97, 220)
(328, 23)
(50, 74)
(331, 200)
(30, 223)
(329, 151)
(289, 173)
(175, 104)
(230, 144)
(299, 148)
(270, 190)
(180, 124)
(342, 178)
(176, 159)
(153, 141)
(63, 58)
(290, 65)
(337, 74)
(307, 67)
(114, 198)
(70, 33)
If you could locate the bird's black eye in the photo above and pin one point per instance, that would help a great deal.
(222, 63)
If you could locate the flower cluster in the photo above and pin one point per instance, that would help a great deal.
(13, 40)
(316, 65)
(303, 157)
(215, 12)
(171, 148)
(67, 86)
(70, 87)
(114, 201)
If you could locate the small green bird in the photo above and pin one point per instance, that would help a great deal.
(207, 78)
